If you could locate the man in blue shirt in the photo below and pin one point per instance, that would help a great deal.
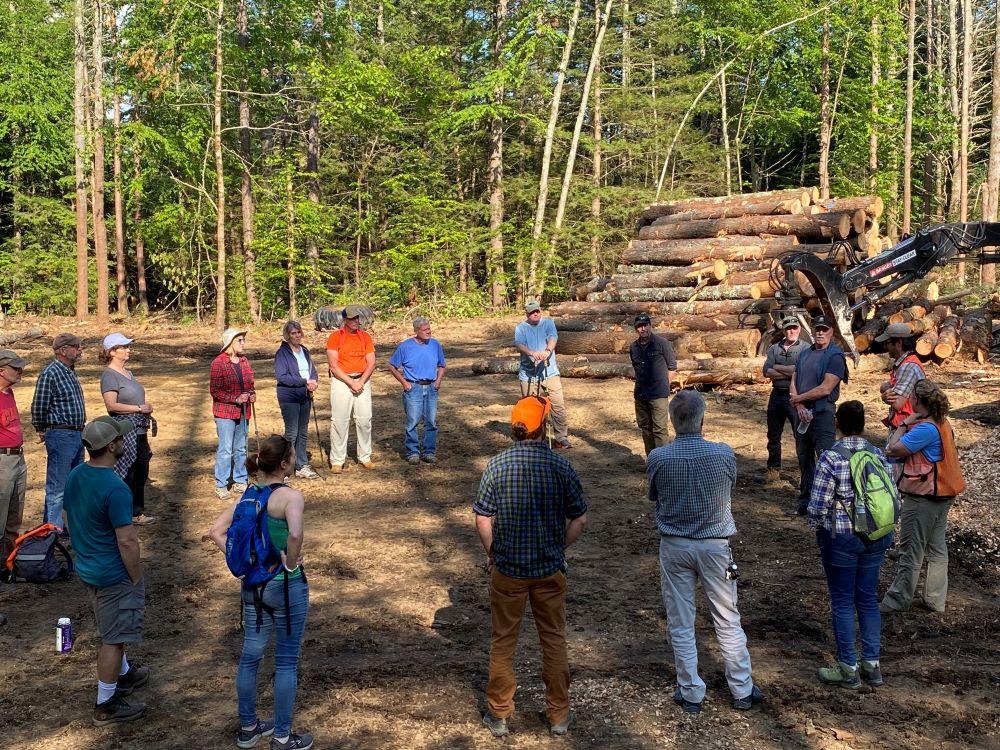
(99, 508)
(535, 338)
(418, 365)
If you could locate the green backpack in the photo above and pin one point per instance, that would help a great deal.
(876, 501)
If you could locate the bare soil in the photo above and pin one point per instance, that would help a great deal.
(396, 647)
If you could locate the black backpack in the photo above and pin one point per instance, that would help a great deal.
(39, 556)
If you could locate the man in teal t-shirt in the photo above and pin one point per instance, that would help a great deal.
(535, 338)
(99, 507)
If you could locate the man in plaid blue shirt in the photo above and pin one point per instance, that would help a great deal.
(58, 415)
(851, 564)
(529, 508)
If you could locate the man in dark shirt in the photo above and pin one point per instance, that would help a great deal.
(652, 359)
(529, 508)
(813, 392)
(779, 366)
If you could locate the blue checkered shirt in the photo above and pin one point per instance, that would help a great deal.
(833, 489)
(691, 481)
(58, 398)
(530, 492)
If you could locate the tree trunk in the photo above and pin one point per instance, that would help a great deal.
(220, 185)
(911, 37)
(824, 112)
(926, 343)
(830, 225)
(140, 245)
(947, 343)
(595, 203)
(968, 29)
(79, 155)
(736, 343)
(684, 252)
(609, 309)
(991, 197)
(876, 42)
(677, 294)
(929, 71)
(727, 151)
(954, 85)
(919, 309)
(293, 302)
(670, 323)
(715, 207)
(97, 178)
(731, 210)
(977, 334)
(121, 295)
(494, 257)
(872, 205)
(714, 270)
(246, 185)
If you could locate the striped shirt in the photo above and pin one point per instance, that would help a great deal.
(58, 398)
(530, 492)
(691, 481)
(833, 489)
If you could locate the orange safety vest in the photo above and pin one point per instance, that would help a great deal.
(896, 418)
(940, 479)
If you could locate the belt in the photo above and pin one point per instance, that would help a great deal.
(354, 375)
(12, 451)
(423, 382)
(74, 428)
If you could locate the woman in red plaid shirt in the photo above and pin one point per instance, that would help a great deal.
(232, 388)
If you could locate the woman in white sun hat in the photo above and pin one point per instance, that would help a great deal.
(233, 396)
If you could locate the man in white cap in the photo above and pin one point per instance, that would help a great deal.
(232, 386)
(99, 508)
(13, 470)
(58, 415)
(906, 371)
(535, 338)
(350, 356)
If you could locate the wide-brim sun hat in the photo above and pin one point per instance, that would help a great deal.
(228, 335)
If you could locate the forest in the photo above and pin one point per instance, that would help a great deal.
(248, 161)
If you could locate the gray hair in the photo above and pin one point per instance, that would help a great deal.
(419, 322)
(687, 410)
(286, 330)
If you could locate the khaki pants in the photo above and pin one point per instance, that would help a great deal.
(552, 388)
(13, 483)
(548, 607)
(653, 419)
(922, 533)
(343, 405)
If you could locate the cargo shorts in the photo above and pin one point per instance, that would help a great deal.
(118, 610)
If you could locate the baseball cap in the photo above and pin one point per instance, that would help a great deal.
(116, 339)
(531, 411)
(105, 430)
(352, 311)
(895, 331)
(788, 322)
(8, 357)
(532, 306)
(642, 319)
(821, 321)
(228, 335)
(66, 339)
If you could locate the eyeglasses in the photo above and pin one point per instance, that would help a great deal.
(535, 312)
(822, 330)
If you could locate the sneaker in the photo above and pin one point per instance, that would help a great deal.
(496, 725)
(143, 520)
(222, 493)
(840, 674)
(745, 704)
(293, 742)
(336, 468)
(117, 710)
(250, 739)
(413, 460)
(369, 464)
(796, 512)
(430, 458)
(239, 488)
(871, 672)
(136, 677)
(563, 726)
(688, 706)
(561, 443)
(306, 472)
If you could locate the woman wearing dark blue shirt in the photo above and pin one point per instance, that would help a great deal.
(297, 380)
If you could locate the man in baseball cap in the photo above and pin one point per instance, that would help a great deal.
(99, 508)
(779, 366)
(13, 470)
(350, 359)
(906, 371)
(652, 359)
(58, 414)
(535, 339)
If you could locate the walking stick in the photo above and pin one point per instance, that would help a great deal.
(319, 438)
(256, 435)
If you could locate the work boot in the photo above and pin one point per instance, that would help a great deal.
(496, 725)
(688, 706)
(117, 710)
(336, 468)
(871, 672)
(772, 475)
(247, 739)
(413, 459)
(840, 674)
(563, 726)
(430, 458)
(369, 464)
(136, 677)
(745, 704)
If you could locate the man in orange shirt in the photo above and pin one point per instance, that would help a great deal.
(350, 354)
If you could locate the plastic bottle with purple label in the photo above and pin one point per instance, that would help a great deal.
(64, 636)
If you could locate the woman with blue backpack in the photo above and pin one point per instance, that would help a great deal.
(261, 536)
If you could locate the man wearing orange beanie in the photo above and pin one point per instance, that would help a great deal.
(529, 508)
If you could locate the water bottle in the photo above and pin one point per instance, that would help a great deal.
(64, 635)
(803, 426)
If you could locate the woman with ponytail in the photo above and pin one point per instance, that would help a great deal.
(929, 479)
(282, 607)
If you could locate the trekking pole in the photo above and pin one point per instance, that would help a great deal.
(319, 438)
(256, 435)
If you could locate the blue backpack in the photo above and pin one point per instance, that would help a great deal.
(249, 553)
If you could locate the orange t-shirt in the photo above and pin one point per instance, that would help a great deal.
(351, 349)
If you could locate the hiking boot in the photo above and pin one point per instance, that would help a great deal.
(885, 609)
(496, 725)
(117, 710)
(560, 443)
(222, 493)
(250, 738)
(369, 464)
(306, 472)
(871, 672)
(293, 742)
(563, 726)
(336, 468)
(772, 475)
(143, 520)
(239, 488)
(840, 674)
(136, 677)
(796, 512)
(413, 460)
(745, 704)
(430, 458)
(688, 706)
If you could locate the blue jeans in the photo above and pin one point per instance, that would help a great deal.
(421, 402)
(65, 451)
(231, 455)
(851, 576)
(287, 647)
(296, 416)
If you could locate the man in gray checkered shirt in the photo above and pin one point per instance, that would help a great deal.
(690, 480)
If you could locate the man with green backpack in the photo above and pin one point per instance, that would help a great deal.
(853, 507)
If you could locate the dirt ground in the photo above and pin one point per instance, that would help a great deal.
(396, 646)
